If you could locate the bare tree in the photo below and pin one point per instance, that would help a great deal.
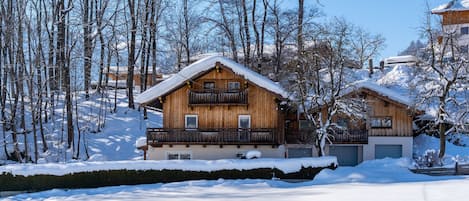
(365, 45)
(445, 69)
(320, 82)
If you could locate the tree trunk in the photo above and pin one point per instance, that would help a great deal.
(87, 44)
(131, 57)
(299, 36)
(247, 57)
(61, 62)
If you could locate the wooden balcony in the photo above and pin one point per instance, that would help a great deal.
(339, 137)
(221, 136)
(218, 97)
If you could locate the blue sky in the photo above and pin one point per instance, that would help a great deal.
(397, 20)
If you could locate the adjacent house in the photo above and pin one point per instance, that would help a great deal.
(455, 21)
(217, 108)
(118, 74)
(385, 132)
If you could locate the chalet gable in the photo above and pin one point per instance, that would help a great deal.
(378, 91)
(202, 67)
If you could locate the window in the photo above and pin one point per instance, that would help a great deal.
(342, 122)
(464, 30)
(244, 121)
(178, 156)
(191, 122)
(209, 85)
(381, 122)
(305, 125)
(234, 86)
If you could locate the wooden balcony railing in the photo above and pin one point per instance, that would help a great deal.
(214, 97)
(222, 136)
(339, 137)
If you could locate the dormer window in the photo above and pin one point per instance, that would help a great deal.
(464, 30)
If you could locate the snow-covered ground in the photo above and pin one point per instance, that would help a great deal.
(453, 153)
(115, 141)
(386, 179)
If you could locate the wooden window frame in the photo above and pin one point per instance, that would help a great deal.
(209, 82)
(234, 89)
(196, 121)
(243, 116)
(381, 119)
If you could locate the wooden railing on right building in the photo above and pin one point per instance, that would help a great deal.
(338, 137)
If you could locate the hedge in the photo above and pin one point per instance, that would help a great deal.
(10, 182)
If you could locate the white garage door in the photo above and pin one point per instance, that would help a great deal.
(391, 151)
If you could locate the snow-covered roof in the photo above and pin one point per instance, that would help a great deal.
(205, 64)
(381, 90)
(454, 5)
(401, 59)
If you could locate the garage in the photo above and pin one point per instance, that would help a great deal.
(300, 152)
(391, 151)
(346, 155)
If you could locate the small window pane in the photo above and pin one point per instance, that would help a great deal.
(173, 156)
(234, 86)
(191, 121)
(244, 122)
(184, 156)
(209, 85)
(381, 122)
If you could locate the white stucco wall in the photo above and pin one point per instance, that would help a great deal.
(214, 152)
(369, 149)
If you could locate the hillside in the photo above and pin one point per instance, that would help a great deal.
(115, 140)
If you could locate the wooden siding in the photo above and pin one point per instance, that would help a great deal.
(262, 105)
(455, 17)
(401, 119)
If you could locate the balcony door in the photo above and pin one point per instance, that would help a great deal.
(244, 124)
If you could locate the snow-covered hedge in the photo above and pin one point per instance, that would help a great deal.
(94, 174)
(58, 169)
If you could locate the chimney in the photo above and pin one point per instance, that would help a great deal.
(381, 66)
(370, 67)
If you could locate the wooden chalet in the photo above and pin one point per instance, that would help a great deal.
(385, 132)
(216, 108)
